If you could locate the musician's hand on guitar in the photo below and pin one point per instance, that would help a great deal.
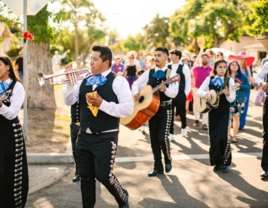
(226, 91)
(163, 88)
(95, 101)
(137, 97)
(208, 97)
(264, 86)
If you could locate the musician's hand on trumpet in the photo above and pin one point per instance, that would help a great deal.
(208, 97)
(68, 68)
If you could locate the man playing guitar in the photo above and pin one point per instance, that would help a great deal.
(159, 124)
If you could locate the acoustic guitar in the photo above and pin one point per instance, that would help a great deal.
(203, 106)
(6, 95)
(147, 106)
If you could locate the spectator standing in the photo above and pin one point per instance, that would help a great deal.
(245, 62)
(118, 68)
(56, 60)
(19, 65)
(200, 74)
(211, 57)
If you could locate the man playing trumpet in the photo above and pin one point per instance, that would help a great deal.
(97, 140)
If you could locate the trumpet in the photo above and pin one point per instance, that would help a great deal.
(73, 78)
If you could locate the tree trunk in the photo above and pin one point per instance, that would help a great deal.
(195, 47)
(87, 51)
(39, 59)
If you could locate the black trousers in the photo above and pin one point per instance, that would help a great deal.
(220, 147)
(74, 134)
(14, 179)
(264, 161)
(159, 126)
(179, 102)
(96, 155)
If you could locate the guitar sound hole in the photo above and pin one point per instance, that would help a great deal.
(141, 99)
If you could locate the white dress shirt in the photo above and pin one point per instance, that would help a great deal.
(171, 90)
(121, 88)
(262, 73)
(204, 88)
(56, 59)
(187, 75)
(16, 101)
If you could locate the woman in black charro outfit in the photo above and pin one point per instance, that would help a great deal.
(219, 118)
(14, 183)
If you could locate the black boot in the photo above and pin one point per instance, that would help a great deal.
(168, 167)
(124, 205)
(155, 173)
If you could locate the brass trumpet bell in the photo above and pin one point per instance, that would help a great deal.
(73, 78)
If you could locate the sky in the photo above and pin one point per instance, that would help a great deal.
(128, 16)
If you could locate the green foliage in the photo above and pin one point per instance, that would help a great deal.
(214, 21)
(38, 25)
(258, 17)
(14, 51)
(156, 32)
(131, 44)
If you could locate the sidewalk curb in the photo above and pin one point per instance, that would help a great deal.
(49, 158)
(50, 181)
(52, 158)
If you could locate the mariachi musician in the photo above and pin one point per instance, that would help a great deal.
(159, 124)
(74, 127)
(14, 183)
(261, 76)
(96, 145)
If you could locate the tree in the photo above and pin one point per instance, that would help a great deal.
(156, 32)
(130, 44)
(84, 12)
(214, 21)
(258, 18)
(39, 58)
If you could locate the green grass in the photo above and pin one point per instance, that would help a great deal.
(62, 118)
(65, 128)
(41, 135)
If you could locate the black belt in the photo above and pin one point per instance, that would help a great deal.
(165, 103)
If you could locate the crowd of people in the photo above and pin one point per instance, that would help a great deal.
(95, 134)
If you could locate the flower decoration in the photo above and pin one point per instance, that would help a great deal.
(27, 36)
(238, 80)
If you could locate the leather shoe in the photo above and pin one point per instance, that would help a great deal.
(204, 126)
(124, 205)
(76, 178)
(168, 168)
(224, 168)
(217, 167)
(264, 174)
(196, 123)
(155, 173)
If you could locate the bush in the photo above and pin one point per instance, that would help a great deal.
(14, 51)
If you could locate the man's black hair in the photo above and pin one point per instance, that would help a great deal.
(176, 52)
(105, 53)
(163, 49)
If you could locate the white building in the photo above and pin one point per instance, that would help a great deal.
(6, 39)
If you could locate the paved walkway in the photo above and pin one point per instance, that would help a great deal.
(191, 183)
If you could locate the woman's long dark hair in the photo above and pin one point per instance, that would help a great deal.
(12, 74)
(214, 72)
(239, 71)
